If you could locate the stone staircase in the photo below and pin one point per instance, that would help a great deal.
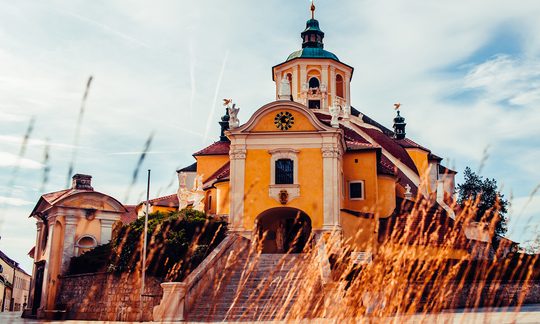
(261, 288)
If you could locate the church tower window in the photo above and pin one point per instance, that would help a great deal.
(339, 86)
(284, 171)
(313, 83)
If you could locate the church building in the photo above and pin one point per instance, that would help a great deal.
(309, 162)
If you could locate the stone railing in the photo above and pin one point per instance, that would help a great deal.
(179, 297)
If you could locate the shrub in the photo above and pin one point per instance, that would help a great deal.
(95, 260)
(177, 243)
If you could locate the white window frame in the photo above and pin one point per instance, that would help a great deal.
(363, 189)
(283, 153)
(78, 246)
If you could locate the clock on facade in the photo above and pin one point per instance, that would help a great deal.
(284, 120)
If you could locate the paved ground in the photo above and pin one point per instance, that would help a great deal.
(529, 314)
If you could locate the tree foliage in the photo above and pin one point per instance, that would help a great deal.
(485, 197)
(177, 243)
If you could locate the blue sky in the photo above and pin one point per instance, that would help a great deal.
(467, 75)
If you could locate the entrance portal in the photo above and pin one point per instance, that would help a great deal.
(283, 230)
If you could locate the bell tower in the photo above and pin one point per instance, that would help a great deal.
(312, 75)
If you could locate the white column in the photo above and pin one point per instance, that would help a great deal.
(332, 85)
(106, 230)
(278, 83)
(295, 83)
(37, 252)
(348, 88)
(38, 249)
(325, 80)
(47, 258)
(70, 229)
(331, 199)
(238, 166)
(303, 80)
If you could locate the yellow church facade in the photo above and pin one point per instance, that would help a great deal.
(309, 163)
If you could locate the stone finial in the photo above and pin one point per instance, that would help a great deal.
(284, 89)
(408, 194)
(346, 112)
(234, 122)
(82, 182)
(335, 109)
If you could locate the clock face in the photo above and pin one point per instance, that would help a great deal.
(284, 120)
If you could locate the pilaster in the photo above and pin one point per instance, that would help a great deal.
(70, 229)
(238, 165)
(106, 230)
(331, 154)
(347, 81)
(332, 85)
(47, 258)
(295, 83)
(327, 81)
(37, 251)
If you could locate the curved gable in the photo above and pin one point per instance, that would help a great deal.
(92, 200)
(264, 119)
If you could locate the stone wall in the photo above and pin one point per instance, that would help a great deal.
(107, 297)
(481, 294)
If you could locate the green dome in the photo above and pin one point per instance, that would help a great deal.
(312, 52)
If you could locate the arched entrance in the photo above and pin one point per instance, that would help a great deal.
(283, 230)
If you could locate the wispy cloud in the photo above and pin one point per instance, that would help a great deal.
(12, 201)
(211, 119)
(106, 28)
(7, 117)
(143, 152)
(506, 79)
(13, 139)
(12, 160)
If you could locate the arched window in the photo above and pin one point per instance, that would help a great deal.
(339, 86)
(284, 171)
(85, 243)
(313, 83)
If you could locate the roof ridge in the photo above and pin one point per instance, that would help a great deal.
(162, 197)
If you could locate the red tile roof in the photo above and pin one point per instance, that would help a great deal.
(129, 216)
(390, 145)
(54, 196)
(165, 201)
(385, 166)
(48, 200)
(355, 141)
(223, 173)
(357, 146)
(390, 168)
(189, 168)
(409, 143)
(218, 148)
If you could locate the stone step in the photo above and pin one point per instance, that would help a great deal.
(253, 288)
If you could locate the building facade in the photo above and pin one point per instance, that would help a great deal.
(69, 222)
(14, 285)
(310, 163)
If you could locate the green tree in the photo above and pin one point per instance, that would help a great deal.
(490, 201)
